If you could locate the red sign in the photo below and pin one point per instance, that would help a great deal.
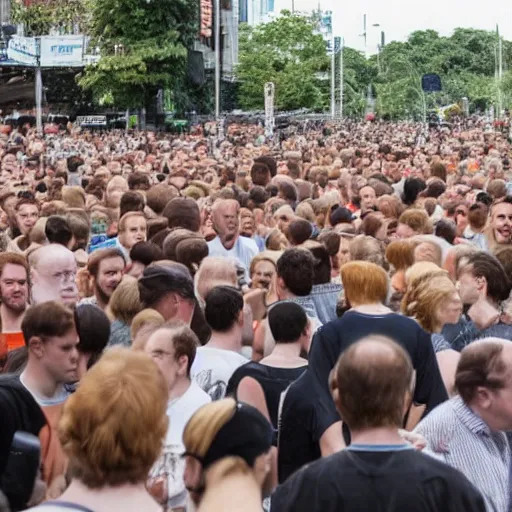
(206, 18)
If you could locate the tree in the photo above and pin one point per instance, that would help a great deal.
(288, 52)
(39, 18)
(465, 61)
(144, 46)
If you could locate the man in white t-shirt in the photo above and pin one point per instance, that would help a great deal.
(220, 357)
(173, 348)
(228, 242)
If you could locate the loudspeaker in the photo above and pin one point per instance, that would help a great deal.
(195, 68)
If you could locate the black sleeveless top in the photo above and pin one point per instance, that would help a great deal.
(272, 380)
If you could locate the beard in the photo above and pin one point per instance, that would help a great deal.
(101, 295)
(15, 305)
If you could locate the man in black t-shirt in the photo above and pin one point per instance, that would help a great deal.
(309, 423)
(372, 387)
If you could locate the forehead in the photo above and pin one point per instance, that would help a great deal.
(114, 261)
(264, 266)
(27, 208)
(12, 270)
(135, 221)
(502, 209)
(57, 262)
(159, 339)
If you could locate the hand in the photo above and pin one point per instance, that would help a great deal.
(416, 440)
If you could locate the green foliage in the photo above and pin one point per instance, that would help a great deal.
(465, 62)
(287, 52)
(40, 18)
(154, 35)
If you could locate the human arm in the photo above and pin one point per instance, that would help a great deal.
(430, 390)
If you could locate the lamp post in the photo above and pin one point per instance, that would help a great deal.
(217, 59)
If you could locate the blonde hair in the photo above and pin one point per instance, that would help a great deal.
(113, 427)
(143, 318)
(421, 268)
(364, 283)
(424, 296)
(125, 301)
(205, 424)
(74, 197)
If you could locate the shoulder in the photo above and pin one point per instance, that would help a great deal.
(435, 426)
(248, 243)
(107, 244)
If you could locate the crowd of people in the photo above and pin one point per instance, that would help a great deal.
(316, 322)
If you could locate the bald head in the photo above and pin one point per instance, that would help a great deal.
(53, 273)
(373, 379)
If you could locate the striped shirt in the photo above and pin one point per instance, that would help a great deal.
(459, 437)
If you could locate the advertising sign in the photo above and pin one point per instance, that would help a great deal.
(269, 109)
(91, 120)
(206, 18)
(23, 50)
(62, 51)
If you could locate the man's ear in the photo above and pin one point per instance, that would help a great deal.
(36, 346)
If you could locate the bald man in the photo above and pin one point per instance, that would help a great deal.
(53, 275)
(228, 243)
(478, 420)
(372, 386)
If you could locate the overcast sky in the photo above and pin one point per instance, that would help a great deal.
(398, 18)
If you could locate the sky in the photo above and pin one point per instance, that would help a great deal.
(398, 18)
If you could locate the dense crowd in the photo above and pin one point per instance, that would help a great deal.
(316, 322)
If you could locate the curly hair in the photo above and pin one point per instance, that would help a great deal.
(424, 296)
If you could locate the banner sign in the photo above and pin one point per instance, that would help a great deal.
(269, 109)
(62, 51)
(206, 9)
(91, 120)
(23, 50)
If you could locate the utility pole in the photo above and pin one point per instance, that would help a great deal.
(333, 77)
(500, 74)
(217, 60)
(341, 76)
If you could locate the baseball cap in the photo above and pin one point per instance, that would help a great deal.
(340, 215)
(248, 434)
(174, 277)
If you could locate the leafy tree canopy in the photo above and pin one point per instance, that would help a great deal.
(152, 39)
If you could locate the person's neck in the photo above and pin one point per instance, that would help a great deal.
(488, 419)
(371, 309)
(230, 340)
(180, 388)
(79, 493)
(377, 436)
(285, 351)
(11, 320)
(285, 294)
(228, 244)
(38, 381)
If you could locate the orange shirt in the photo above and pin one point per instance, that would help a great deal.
(10, 341)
